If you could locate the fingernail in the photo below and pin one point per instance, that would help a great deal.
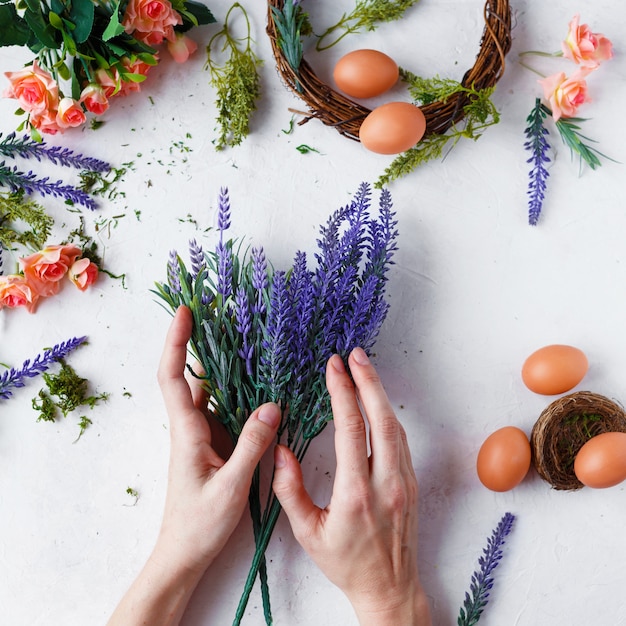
(279, 458)
(269, 414)
(337, 363)
(358, 354)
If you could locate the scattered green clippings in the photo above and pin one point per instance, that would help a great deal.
(289, 130)
(133, 493)
(237, 82)
(96, 123)
(105, 184)
(304, 149)
(65, 392)
(366, 15)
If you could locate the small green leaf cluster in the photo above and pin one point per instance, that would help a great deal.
(479, 114)
(65, 392)
(292, 23)
(366, 15)
(236, 81)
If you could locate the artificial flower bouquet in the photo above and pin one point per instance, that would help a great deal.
(264, 335)
(89, 51)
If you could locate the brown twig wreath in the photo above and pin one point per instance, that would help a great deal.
(562, 429)
(338, 111)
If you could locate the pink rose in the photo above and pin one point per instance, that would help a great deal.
(109, 81)
(15, 291)
(33, 88)
(564, 94)
(44, 269)
(83, 273)
(584, 47)
(182, 47)
(70, 114)
(94, 99)
(45, 122)
(151, 21)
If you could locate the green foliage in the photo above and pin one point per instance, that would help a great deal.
(236, 81)
(291, 24)
(366, 15)
(569, 129)
(16, 210)
(479, 114)
(65, 391)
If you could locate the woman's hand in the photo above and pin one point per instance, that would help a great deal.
(206, 495)
(365, 540)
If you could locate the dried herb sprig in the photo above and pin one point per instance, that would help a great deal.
(366, 15)
(538, 145)
(482, 580)
(237, 81)
(265, 335)
(14, 378)
(479, 114)
(14, 209)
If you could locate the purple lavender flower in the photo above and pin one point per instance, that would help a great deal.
(15, 180)
(260, 280)
(538, 145)
(243, 325)
(223, 210)
(27, 148)
(16, 377)
(224, 270)
(196, 256)
(482, 580)
(276, 358)
(173, 271)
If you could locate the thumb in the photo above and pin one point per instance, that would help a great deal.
(289, 488)
(255, 438)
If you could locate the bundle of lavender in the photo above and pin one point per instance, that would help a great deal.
(264, 335)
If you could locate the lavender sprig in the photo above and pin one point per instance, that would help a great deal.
(538, 145)
(16, 377)
(26, 147)
(482, 580)
(16, 180)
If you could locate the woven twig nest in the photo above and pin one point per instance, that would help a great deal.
(334, 109)
(562, 429)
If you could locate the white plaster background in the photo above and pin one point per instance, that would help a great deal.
(474, 291)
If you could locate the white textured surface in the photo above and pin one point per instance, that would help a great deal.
(475, 290)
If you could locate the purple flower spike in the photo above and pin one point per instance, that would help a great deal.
(224, 270)
(243, 325)
(173, 270)
(223, 210)
(260, 281)
(482, 580)
(538, 145)
(16, 378)
(197, 258)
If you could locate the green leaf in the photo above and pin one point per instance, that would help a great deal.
(14, 31)
(114, 28)
(82, 14)
(196, 14)
(55, 20)
(43, 32)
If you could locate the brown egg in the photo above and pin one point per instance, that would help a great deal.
(504, 459)
(601, 462)
(365, 73)
(392, 128)
(554, 369)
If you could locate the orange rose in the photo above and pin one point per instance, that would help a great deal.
(151, 21)
(181, 48)
(46, 268)
(584, 47)
(94, 99)
(83, 273)
(70, 114)
(564, 94)
(15, 291)
(109, 80)
(45, 122)
(34, 88)
(133, 67)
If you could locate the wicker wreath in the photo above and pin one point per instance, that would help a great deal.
(334, 109)
(562, 429)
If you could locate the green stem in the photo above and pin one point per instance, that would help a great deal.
(255, 513)
(259, 557)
